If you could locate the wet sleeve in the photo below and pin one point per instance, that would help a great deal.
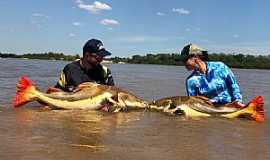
(62, 82)
(109, 78)
(191, 87)
(232, 85)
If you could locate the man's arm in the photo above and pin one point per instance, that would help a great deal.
(107, 75)
(109, 78)
(232, 85)
(63, 81)
(191, 88)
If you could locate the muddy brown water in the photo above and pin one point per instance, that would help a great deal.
(33, 133)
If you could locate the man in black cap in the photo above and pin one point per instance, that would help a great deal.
(87, 69)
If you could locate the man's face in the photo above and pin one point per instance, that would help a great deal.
(94, 59)
(190, 64)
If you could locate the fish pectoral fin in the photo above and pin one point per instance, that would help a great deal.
(168, 109)
(155, 107)
(173, 109)
(116, 105)
(122, 97)
(117, 110)
(112, 101)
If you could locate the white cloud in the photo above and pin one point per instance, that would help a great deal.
(71, 35)
(94, 8)
(161, 14)
(142, 39)
(40, 15)
(76, 24)
(109, 22)
(38, 19)
(181, 11)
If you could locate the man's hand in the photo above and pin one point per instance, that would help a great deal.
(235, 104)
(207, 100)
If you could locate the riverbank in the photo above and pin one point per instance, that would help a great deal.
(232, 60)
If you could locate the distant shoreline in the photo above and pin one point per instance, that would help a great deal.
(232, 60)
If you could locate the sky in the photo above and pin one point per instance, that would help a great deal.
(129, 27)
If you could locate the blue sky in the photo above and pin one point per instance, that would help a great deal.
(129, 27)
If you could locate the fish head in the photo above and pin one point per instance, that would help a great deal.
(171, 105)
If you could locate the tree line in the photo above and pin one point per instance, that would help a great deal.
(44, 56)
(232, 60)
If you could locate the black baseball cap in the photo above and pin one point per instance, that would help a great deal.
(192, 50)
(95, 46)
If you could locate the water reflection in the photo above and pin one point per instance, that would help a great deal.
(83, 129)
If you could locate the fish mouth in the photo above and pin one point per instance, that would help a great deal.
(105, 108)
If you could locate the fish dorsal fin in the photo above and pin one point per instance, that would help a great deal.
(87, 85)
(206, 108)
(53, 90)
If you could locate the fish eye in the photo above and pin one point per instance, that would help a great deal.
(179, 112)
(172, 106)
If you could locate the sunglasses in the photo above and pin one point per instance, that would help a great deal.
(185, 59)
(97, 57)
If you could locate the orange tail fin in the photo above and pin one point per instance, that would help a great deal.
(23, 94)
(257, 105)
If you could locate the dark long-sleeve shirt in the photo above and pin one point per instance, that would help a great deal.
(74, 74)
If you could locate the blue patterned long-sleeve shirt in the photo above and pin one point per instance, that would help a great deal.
(218, 84)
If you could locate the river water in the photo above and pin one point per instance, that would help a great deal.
(33, 133)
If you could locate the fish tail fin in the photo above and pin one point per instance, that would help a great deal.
(24, 93)
(255, 108)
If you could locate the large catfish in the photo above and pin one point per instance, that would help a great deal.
(87, 96)
(197, 106)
